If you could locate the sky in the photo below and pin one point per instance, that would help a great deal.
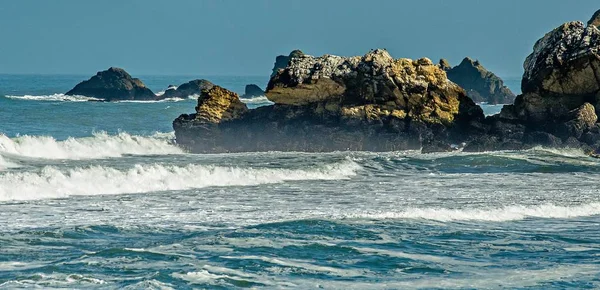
(243, 37)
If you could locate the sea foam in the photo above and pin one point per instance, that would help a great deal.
(488, 214)
(51, 182)
(100, 145)
(54, 98)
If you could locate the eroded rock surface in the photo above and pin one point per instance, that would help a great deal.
(371, 102)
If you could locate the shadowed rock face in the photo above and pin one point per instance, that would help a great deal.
(188, 89)
(595, 20)
(282, 61)
(328, 103)
(253, 91)
(480, 84)
(112, 85)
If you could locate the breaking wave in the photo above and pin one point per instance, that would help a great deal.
(508, 213)
(262, 100)
(100, 145)
(54, 98)
(50, 182)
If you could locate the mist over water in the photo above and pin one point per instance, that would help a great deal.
(98, 195)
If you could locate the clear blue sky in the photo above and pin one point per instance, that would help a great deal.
(242, 37)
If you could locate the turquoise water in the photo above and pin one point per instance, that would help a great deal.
(96, 195)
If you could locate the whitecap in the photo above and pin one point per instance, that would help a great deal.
(262, 100)
(100, 145)
(501, 214)
(51, 182)
(54, 98)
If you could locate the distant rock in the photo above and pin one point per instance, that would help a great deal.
(190, 88)
(595, 20)
(282, 61)
(112, 85)
(253, 91)
(372, 102)
(481, 85)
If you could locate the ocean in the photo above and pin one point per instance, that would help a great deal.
(97, 195)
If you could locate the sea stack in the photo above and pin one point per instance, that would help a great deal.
(113, 84)
(372, 102)
(561, 95)
(191, 88)
(480, 84)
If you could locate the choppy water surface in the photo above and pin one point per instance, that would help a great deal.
(113, 203)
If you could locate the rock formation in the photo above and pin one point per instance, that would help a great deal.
(377, 103)
(595, 20)
(253, 91)
(190, 88)
(112, 85)
(561, 95)
(481, 85)
(327, 103)
(282, 61)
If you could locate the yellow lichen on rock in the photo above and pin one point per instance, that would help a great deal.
(218, 104)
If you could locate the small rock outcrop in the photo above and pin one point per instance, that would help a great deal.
(252, 91)
(188, 89)
(371, 102)
(282, 61)
(113, 84)
(595, 20)
(481, 85)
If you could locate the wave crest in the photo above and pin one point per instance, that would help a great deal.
(51, 182)
(54, 98)
(508, 213)
(100, 145)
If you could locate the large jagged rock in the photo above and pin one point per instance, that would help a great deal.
(417, 89)
(328, 103)
(481, 85)
(252, 91)
(281, 61)
(561, 95)
(595, 20)
(564, 62)
(112, 85)
(188, 89)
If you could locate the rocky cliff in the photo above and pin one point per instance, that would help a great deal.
(480, 84)
(371, 102)
(112, 85)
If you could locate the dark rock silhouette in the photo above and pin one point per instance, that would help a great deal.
(481, 85)
(253, 91)
(188, 89)
(112, 85)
